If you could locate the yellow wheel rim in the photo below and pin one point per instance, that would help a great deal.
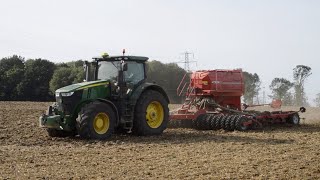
(101, 123)
(155, 114)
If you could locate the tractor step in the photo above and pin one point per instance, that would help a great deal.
(127, 118)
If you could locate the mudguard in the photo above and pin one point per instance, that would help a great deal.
(146, 86)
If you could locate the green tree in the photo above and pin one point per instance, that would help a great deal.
(167, 76)
(77, 70)
(288, 99)
(66, 74)
(280, 87)
(77, 64)
(252, 86)
(61, 77)
(35, 83)
(300, 74)
(11, 73)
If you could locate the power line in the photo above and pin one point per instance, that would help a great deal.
(187, 61)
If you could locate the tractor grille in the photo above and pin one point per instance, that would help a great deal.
(70, 102)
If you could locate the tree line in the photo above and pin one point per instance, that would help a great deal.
(37, 80)
(292, 93)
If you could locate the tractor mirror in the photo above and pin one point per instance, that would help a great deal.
(124, 67)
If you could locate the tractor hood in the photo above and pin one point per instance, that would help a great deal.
(83, 85)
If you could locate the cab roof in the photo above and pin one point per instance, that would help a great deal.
(120, 58)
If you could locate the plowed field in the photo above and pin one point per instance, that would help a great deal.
(281, 152)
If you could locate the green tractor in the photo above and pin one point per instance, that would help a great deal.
(114, 97)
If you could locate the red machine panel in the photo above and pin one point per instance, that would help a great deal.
(218, 82)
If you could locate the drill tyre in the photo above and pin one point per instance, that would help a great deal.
(151, 114)
(96, 120)
(207, 122)
(199, 122)
(233, 122)
(223, 121)
(212, 121)
(227, 123)
(294, 119)
(239, 124)
(218, 122)
(194, 124)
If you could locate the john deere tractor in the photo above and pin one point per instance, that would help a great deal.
(114, 97)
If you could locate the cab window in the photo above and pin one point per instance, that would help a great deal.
(135, 72)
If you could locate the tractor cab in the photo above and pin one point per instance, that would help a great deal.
(129, 69)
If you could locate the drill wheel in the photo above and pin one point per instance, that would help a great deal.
(227, 123)
(233, 122)
(239, 124)
(218, 121)
(223, 121)
(213, 119)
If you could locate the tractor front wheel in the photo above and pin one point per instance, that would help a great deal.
(96, 120)
(151, 114)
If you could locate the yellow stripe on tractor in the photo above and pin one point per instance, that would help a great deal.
(93, 85)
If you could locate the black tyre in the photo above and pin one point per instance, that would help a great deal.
(151, 114)
(233, 122)
(208, 121)
(199, 122)
(59, 133)
(218, 121)
(294, 119)
(96, 120)
(195, 124)
(205, 123)
(240, 126)
(223, 121)
(227, 124)
(212, 121)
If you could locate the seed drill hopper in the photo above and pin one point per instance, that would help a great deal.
(213, 101)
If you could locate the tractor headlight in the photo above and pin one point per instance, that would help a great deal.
(66, 94)
(57, 94)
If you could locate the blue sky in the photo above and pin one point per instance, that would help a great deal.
(268, 37)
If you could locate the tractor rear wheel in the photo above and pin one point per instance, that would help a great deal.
(96, 120)
(59, 133)
(151, 114)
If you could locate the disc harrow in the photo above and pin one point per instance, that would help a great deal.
(214, 122)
